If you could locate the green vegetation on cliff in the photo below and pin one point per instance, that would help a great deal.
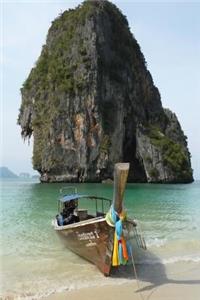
(86, 97)
(174, 155)
(55, 76)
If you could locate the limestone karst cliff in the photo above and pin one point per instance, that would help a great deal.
(90, 102)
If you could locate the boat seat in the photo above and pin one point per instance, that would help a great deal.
(100, 214)
(82, 214)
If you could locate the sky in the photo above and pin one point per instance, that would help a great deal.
(169, 36)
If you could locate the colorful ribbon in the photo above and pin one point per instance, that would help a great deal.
(120, 252)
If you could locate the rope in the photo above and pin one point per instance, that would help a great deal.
(139, 286)
(112, 218)
(135, 272)
(139, 235)
(156, 287)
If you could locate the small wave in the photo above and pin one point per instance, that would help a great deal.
(176, 259)
(156, 242)
(31, 295)
(170, 244)
(170, 260)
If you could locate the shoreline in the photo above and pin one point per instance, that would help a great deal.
(36, 265)
(130, 292)
(180, 282)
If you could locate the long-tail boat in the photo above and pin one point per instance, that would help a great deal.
(99, 237)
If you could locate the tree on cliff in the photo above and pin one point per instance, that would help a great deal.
(91, 102)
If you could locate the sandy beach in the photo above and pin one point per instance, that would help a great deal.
(36, 265)
(182, 283)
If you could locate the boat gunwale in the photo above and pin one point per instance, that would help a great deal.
(87, 222)
(78, 224)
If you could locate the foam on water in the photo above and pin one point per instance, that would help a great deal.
(35, 264)
(156, 242)
(171, 260)
(185, 258)
(37, 288)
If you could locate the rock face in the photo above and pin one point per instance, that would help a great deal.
(91, 102)
(6, 173)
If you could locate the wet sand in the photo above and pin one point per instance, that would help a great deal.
(178, 282)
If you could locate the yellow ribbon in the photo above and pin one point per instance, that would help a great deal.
(115, 257)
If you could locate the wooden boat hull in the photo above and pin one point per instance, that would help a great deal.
(91, 239)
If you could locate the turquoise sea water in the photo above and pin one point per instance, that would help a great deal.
(34, 263)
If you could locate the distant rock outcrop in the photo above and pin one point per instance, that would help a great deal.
(24, 175)
(6, 173)
(91, 102)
